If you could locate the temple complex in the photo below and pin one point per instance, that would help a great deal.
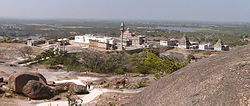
(220, 46)
(184, 43)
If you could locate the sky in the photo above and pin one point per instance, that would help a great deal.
(173, 10)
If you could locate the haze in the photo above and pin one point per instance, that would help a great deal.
(176, 10)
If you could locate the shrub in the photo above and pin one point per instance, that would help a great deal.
(74, 101)
(148, 62)
(141, 84)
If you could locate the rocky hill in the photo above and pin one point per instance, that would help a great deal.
(221, 80)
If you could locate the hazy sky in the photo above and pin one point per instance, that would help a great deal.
(176, 10)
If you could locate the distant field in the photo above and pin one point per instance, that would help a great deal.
(73, 27)
(226, 31)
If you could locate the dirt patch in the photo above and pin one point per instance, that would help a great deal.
(11, 51)
(13, 102)
(107, 99)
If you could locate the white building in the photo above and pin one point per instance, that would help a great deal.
(79, 39)
(184, 43)
(87, 37)
(194, 45)
(84, 38)
(164, 43)
(205, 46)
(169, 43)
(219, 46)
(64, 39)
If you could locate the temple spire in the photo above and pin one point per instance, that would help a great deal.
(122, 30)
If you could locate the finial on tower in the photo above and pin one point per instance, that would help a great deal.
(122, 26)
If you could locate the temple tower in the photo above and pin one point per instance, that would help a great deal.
(122, 30)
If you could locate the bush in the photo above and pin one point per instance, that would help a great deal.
(120, 71)
(55, 57)
(145, 62)
(103, 62)
(74, 101)
(141, 84)
(148, 62)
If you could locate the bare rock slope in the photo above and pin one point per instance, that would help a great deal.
(221, 80)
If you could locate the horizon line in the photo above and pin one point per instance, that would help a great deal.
(121, 20)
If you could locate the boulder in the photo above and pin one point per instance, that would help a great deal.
(63, 86)
(78, 89)
(59, 88)
(8, 95)
(118, 81)
(4, 88)
(1, 91)
(18, 80)
(1, 79)
(51, 83)
(35, 90)
(1, 84)
(72, 87)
